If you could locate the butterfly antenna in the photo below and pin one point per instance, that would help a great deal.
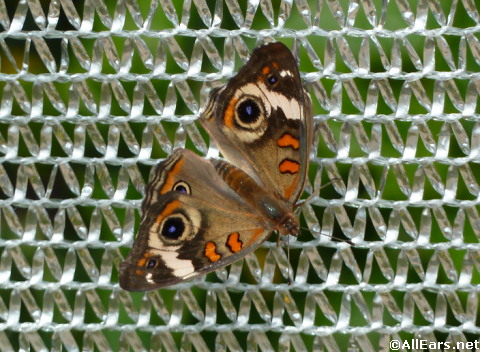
(315, 193)
(345, 240)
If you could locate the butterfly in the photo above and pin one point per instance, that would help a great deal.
(203, 214)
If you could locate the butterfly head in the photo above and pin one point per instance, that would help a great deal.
(288, 225)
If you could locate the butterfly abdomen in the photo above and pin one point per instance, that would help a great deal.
(237, 179)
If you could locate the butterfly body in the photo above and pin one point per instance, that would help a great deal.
(276, 210)
(202, 214)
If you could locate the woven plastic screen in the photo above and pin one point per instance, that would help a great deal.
(95, 93)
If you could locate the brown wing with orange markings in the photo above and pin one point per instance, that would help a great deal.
(262, 121)
(193, 223)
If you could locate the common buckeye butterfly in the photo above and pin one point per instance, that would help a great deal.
(202, 214)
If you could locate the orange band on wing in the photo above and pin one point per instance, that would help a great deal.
(171, 176)
(211, 252)
(265, 70)
(289, 166)
(234, 243)
(287, 140)
(168, 210)
(230, 112)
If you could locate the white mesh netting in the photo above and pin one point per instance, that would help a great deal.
(95, 93)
